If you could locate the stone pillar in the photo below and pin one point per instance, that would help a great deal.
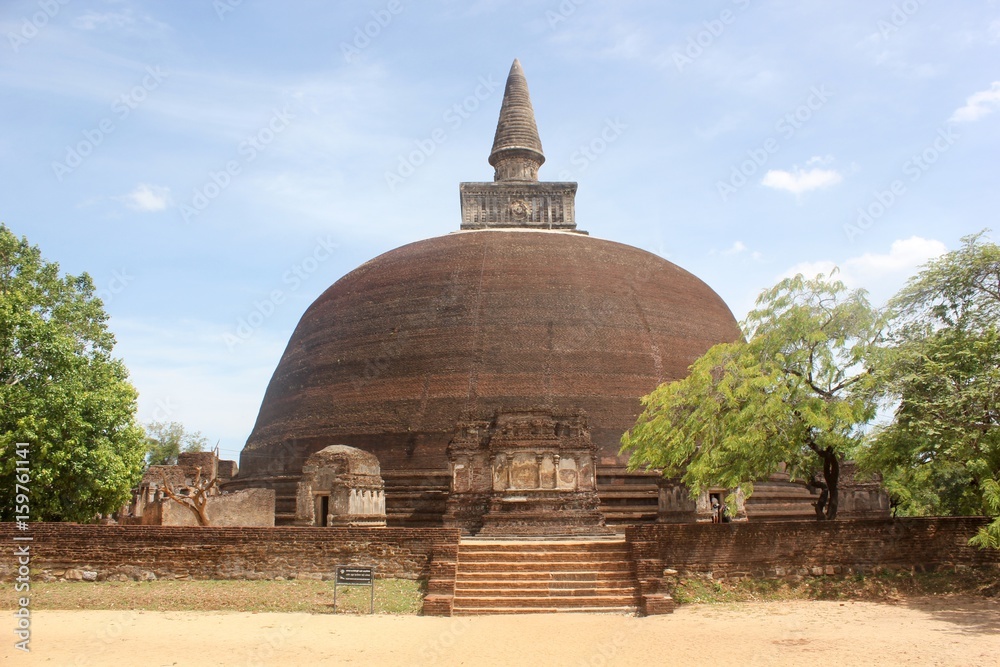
(501, 474)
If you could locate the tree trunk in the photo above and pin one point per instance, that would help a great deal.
(198, 503)
(829, 497)
(824, 495)
(831, 474)
(201, 511)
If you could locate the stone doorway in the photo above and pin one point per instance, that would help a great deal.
(323, 511)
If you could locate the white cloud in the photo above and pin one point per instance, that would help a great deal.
(735, 249)
(819, 159)
(978, 105)
(800, 180)
(738, 248)
(881, 274)
(903, 255)
(147, 198)
(92, 20)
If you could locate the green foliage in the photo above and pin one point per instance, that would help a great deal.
(165, 440)
(792, 393)
(990, 535)
(61, 391)
(941, 453)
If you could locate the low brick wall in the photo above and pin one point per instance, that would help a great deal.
(794, 550)
(724, 551)
(811, 547)
(72, 551)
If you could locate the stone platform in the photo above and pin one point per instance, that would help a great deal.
(544, 575)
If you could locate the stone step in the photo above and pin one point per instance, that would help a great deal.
(618, 510)
(466, 592)
(507, 578)
(489, 611)
(504, 576)
(552, 601)
(791, 494)
(501, 554)
(768, 511)
(625, 519)
(598, 569)
(556, 548)
(567, 556)
(541, 557)
(619, 492)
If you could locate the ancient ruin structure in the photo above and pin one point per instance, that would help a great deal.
(861, 498)
(491, 371)
(340, 486)
(524, 472)
(196, 471)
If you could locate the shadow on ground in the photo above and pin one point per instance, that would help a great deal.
(969, 615)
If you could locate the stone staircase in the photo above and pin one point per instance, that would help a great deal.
(521, 576)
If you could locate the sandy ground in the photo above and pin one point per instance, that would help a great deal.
(941, 631)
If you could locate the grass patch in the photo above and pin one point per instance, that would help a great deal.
(392, 596)
(883, 587)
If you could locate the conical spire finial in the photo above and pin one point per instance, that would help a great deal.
(517, 150)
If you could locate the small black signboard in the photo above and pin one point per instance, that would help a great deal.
(356, 576)
(351, 575)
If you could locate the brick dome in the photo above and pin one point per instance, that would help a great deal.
(520, 311)
(391, 356)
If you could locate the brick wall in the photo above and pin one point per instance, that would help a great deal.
(724, 550)
(143, 552)
(793, 550)
(783, 549)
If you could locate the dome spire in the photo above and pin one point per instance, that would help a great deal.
(515, 199)
(517, 150)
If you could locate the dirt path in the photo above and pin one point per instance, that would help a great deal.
(938, 631)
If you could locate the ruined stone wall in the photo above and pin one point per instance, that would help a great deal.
(249, 507)
(93, 552)
(801, 548)
(791, 549)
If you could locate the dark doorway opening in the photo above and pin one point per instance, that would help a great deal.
(324, 511)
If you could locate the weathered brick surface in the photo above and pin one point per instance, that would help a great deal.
(226, 553)
(392, 356)
(808, 547)
(440, 597)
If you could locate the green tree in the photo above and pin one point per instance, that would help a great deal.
(62, 392)
(165, 440)
(941, 452)
(791, 393)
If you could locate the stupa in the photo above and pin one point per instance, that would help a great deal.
(491, 371)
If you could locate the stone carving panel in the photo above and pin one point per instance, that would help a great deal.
(538, 475)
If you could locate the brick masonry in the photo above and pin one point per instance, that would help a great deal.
(174, 552)
(659, 552)
(799, 549)
(410, 342)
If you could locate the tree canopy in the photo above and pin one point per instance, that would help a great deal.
(791, 393)
(941, 452)
(61, 391)
(165, 440)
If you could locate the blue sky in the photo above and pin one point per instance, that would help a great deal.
(216, 165)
